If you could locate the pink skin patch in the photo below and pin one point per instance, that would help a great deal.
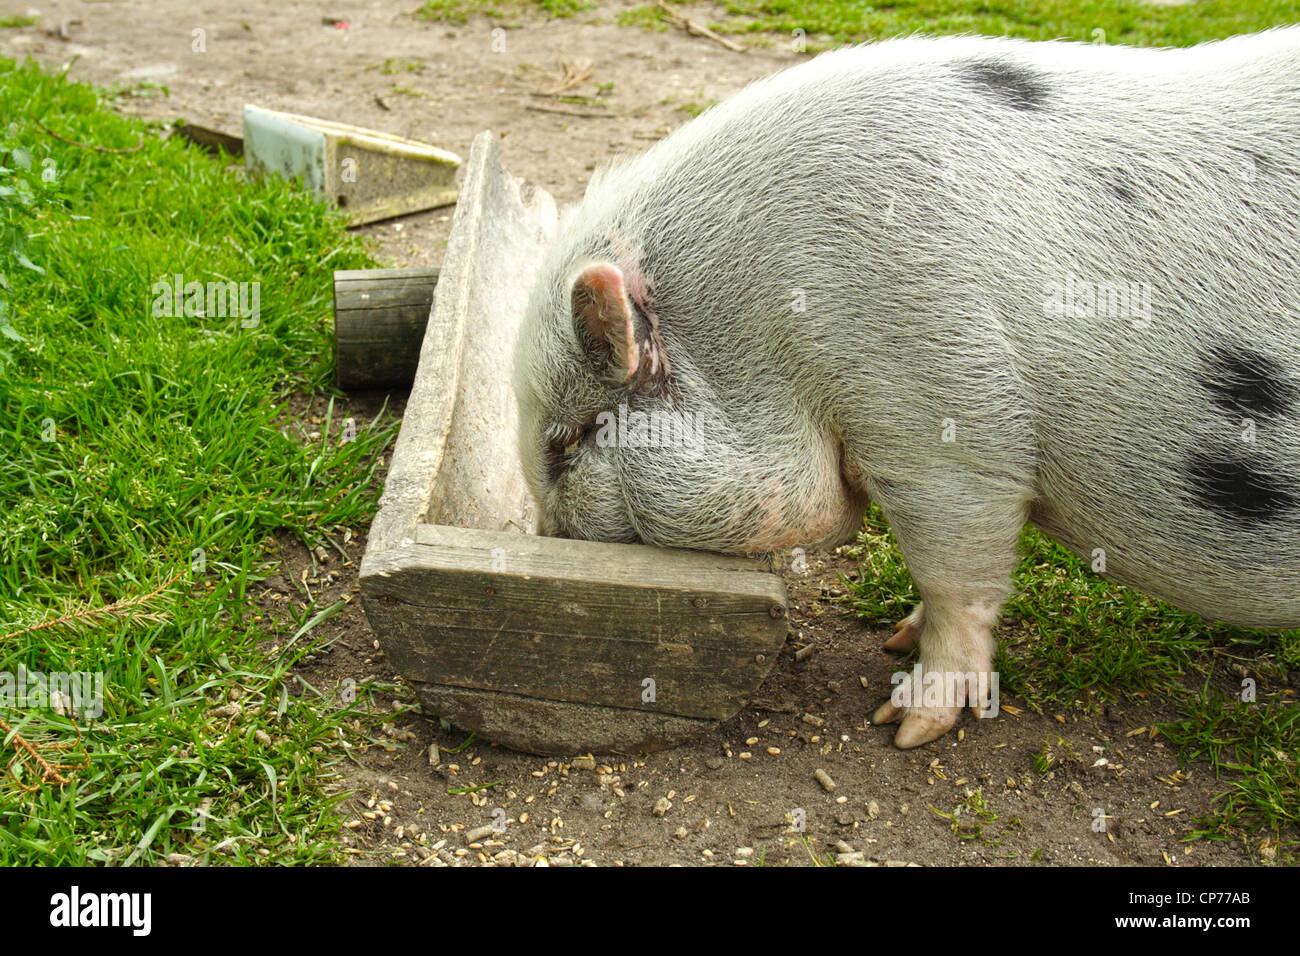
(827, 513)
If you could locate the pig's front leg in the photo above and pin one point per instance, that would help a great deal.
(958, 535)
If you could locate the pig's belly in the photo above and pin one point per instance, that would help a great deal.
(1236, 572)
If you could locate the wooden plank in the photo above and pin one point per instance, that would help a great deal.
(381, 275)
(383, 278)
(365, 323)
(572, 558)
(405, 291)
(380, 317)
(461, 398)
(577, 621)
(214, 141)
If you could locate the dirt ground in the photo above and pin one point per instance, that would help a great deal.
(746, 792)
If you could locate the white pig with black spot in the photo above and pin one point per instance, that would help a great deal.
(980, 281)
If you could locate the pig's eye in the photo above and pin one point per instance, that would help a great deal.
(573, 440)
(566, 441)
(564, 444)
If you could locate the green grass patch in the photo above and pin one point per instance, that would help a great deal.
(458, 12)
(970, 819)
(821, 23)
(18, 20)
(1071, 640)
(146, 446)
(1256, 748)
(1105, 21)
(393, 66)
(691, 107)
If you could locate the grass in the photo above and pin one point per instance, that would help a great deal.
(821, 23)
(970, 817)
(691, 107)
(458, 12)
(1132, 22)
(1071, 640)
(392, 66)
(147, 452)
(1254, 746)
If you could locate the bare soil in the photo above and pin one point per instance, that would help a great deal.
(745, 792)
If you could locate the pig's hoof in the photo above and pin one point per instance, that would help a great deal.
(922, 726)
(907, 632)
(886, 713)
(905, 637)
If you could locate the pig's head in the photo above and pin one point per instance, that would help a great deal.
(627, 436)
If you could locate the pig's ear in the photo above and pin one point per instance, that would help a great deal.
(623, 336)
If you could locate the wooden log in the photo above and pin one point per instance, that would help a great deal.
(379, 320)
(548, 645)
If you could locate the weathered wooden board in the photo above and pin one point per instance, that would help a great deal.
(543, 644)
(379, 320)
(455, 461)
(214, 141)
(558, 727)
(622, 625)
(369, 174)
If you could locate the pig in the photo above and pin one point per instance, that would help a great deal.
(979, 281)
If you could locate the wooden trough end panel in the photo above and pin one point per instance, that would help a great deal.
(624, 626)
(487, 621)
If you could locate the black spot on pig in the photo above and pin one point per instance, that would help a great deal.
(1126, 186)
(1237, 489)
(1008, 82)
(1245, 382)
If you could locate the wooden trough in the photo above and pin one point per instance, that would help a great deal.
(546, 645)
